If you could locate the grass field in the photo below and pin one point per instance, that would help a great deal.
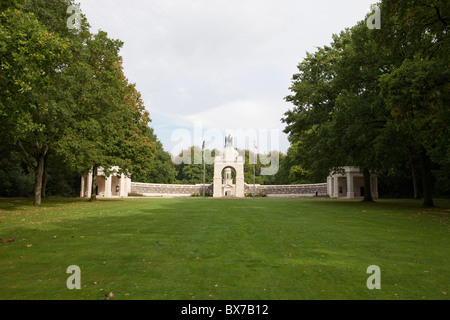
(207, 249)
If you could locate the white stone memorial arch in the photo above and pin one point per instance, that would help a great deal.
(223, 163)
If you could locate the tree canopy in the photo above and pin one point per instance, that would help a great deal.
(64, 95)
(373, 95)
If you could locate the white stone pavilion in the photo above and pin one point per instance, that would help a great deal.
(114, 186)
(350, 184)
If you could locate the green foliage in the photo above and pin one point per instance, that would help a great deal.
(15, 182)
(190, 171)
(376, 99)
(64, 96)
(258, 195)
(13, 4)
(163, 168)
(249, 168)
(199, 195)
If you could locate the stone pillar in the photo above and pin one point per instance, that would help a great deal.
(122, 186)
(217, 187)
(128, 185)
(125, 186)
(330, 186)
(89, 184)
(217, 180)
(108, 193)
(336, 186)
(240, 188)
(82, 187)
(350, 186)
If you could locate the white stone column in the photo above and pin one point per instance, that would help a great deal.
(128, 185)
(121, 186)
(82, 187)
(328, 186)
(240, 187)
(217, 181)
(331, 187)
(89, 184)
(350, 186)
(125, 186)
(108, 180)
(217, 187)
(336, 186)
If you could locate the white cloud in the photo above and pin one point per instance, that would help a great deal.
(240, 114)
(245, 120)
(227, 63)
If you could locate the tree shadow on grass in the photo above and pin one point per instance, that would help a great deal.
(13, 204)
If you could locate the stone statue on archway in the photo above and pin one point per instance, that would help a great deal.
(229, 141)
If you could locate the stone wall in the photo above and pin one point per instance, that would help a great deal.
(180, 190)
(288, 190)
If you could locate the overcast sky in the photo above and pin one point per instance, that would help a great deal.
(208, 67)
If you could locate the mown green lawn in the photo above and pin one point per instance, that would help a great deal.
(206, 249)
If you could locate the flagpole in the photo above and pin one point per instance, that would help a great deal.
(204, 169)
(254, 172)
(254, 186)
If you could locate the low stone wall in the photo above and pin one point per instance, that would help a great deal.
(289, 190)
(174, 190)
(181, 190)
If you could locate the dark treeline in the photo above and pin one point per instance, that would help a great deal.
(17, 181)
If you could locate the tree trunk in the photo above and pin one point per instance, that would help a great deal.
(45, 176)
(38, 176)
(367, 186)
(427, 181)
(414, 175)
(94, 184)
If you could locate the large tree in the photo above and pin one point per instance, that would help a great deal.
(337, 112)
(415, 34)
(374, 95)
(33, 108)
(110, 126)
(64, 94)
(313, 96)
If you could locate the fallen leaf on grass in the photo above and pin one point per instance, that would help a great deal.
(109, 296)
